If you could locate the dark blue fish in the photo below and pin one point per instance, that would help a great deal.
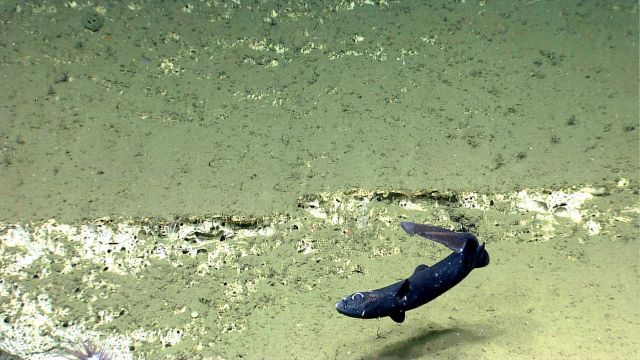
(426, 283)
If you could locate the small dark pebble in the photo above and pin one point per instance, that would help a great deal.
(93, 22)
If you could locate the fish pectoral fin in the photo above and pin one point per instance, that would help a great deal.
(451, 239)
(403, 290)
(397, 317)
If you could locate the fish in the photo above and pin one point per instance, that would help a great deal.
(426, 283)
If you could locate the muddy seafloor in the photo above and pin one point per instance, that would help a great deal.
(207, 179)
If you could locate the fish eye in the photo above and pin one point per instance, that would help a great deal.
(357, 297)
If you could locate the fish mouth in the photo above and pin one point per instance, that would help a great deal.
(343, 308)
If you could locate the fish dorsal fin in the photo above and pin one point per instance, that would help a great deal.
(403, 290)
(397, 317)
(421, 267)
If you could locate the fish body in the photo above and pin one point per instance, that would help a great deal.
(426, 283)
